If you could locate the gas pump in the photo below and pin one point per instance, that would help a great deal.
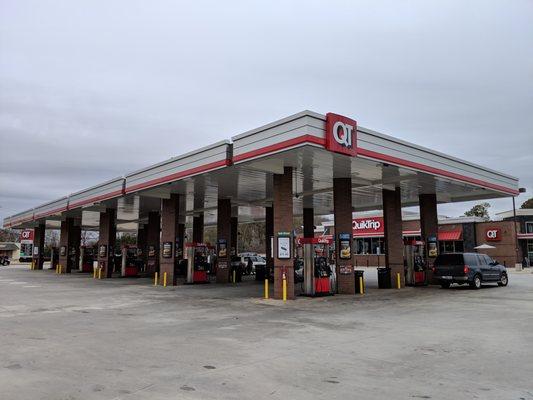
(317, 271)
(129, 264)
(416, 266)
(86, 259)
(197, 265)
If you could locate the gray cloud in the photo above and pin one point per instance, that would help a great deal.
(90, 90)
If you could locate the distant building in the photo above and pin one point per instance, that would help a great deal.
(10, 249)
(455, 235)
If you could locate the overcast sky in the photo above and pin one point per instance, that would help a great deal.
(90, 90)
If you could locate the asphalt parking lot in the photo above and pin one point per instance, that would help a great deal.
(72, 337)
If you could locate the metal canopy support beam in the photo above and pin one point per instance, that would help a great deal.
(234, 236)
(69, 244)
(283, 227)
(342, 214)
(224, 238)
(198, 228)
(429, 224)
(170, 242)
(309, 222)
(106, 242)
(392, 219)
(38, 245)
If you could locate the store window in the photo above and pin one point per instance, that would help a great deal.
(530, 251)
(369, 246)
(451, 246)
(529, 227)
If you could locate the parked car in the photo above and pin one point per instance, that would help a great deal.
(468, 268)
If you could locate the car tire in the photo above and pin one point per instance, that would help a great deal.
(476, 282)
(504, 280)
(445, 285)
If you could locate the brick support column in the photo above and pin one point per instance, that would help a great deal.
(429, 224)
(38, 246)
(69, 244)
(170, 237)
(342, 210)
(392, 219)
(269, 233)
(198, 228)
(283, 223)
(153, 233)
(106, 242)
(309, 222)
(224, 235)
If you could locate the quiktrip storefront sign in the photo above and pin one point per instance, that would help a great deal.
(341, 134)
(364, 227)
(493, 234)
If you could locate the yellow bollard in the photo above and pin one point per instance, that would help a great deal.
(361, 285)
(155, 279)
(31, 265)
(100, 273)
(266, 288)
(234, 276)
(398, 280)
(284, 289)
(164, 279)
(94, 273)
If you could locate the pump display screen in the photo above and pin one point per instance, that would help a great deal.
(345, 249)
(167, 249)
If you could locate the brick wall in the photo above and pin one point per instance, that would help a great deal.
(504, 252)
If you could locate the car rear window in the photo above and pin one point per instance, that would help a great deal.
(449, 259)
(471, 259)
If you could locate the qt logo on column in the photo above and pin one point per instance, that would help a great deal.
(341, 134)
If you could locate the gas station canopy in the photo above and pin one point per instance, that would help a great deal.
(242, 170)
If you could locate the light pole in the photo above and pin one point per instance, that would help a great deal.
(520, 190)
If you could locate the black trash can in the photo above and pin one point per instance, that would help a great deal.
(260, 272)
(384, 278)
(359, 274)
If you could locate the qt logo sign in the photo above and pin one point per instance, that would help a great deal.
(493, 235)
(341, 134)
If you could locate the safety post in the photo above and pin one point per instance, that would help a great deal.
(266, 288)
(31, 266)
(156, 278)
(94, 272)
(99, 272)
(361, 285)
(57, 268)
(164, 279)
(398, 281)
(234, 276)
(284, 288)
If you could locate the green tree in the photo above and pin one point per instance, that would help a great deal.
(527, 204)
(479, 210)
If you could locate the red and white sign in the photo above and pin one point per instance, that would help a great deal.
(341, 134)
(493, 234)
(328, 239)
(26, 236)
(364, 227)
